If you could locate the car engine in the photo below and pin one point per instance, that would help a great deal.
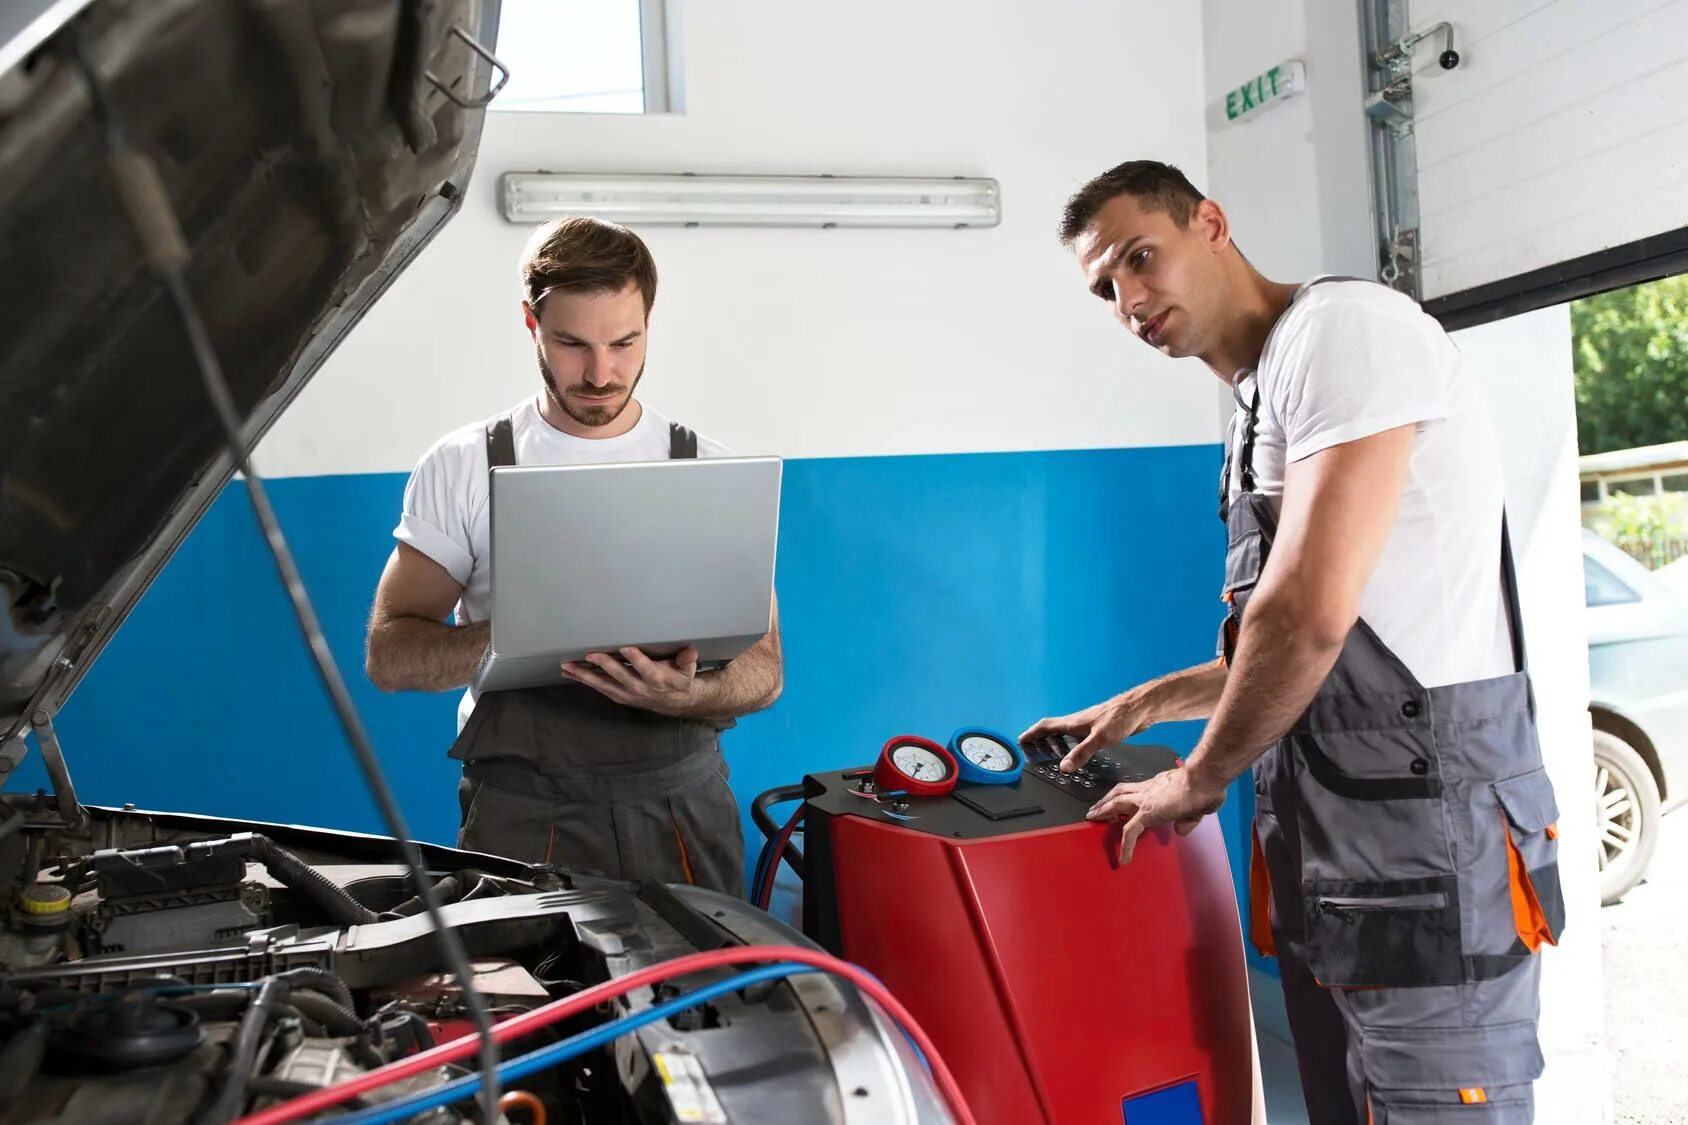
(170, 968)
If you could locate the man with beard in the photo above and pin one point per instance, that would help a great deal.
(617, 767)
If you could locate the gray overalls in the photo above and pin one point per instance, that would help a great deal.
(565, 776)
(1405, 840)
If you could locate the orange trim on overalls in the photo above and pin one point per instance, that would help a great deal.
(1260, 902)
(1528, 917)
(685, 857)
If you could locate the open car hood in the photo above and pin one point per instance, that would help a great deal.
(310, 148)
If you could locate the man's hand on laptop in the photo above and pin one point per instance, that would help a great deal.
(667, 687)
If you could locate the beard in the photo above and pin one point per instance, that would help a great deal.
(587, 414)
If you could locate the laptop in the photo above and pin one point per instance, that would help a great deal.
(653, 554)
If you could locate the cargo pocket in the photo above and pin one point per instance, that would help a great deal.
(1426, 1075)
(1529, 815)
(1399, 933)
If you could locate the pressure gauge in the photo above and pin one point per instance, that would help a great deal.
(916, 766)
(985, 757)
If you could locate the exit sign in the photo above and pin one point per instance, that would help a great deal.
(1281, 82)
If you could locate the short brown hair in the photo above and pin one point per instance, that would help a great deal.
(1157, 186)
(586, 255)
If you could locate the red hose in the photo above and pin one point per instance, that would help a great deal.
(527, 1023)
(765, 893)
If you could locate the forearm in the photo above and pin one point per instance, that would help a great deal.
(746, 684)
(1190, 694)
(1279, 665)
(415, 654)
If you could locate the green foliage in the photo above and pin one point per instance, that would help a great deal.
(1650, 528)
(1630, 355)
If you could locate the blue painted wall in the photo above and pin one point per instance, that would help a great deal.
(916, 593)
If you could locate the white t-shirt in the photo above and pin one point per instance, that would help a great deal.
(1352, 359)
(446, 502)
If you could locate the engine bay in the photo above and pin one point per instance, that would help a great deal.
(168, 968)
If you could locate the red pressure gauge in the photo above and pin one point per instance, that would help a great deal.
(916, 766)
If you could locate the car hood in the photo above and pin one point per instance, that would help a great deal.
(310, 149)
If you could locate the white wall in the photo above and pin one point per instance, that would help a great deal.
(823, 343)
(1525, 365)
(1294, 178)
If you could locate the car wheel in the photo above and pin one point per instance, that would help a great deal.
(1626, 815)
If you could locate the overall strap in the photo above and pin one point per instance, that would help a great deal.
(682, 443)
(500, 442)
(1509, 583)
(1251, 415)
(1514, 613)
(1245, 458)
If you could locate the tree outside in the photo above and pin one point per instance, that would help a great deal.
(1630, 360)
(1630, 357)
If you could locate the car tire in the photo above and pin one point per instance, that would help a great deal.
(1626, 815)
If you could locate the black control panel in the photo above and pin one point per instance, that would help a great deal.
(1125, 762)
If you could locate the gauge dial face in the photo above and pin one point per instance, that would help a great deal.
(919, 763)
(986, 753)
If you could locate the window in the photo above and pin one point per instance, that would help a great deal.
(1590, 492)
(1636, 486)
(585, 56)
(1601, 587)
(1676, 482)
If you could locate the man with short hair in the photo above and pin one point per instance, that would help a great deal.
(617, 767)
(1371, 669)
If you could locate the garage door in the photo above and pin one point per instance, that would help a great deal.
(1553, 155)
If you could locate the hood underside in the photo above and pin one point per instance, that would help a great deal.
(310, 148)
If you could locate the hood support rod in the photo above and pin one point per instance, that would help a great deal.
(52, 756)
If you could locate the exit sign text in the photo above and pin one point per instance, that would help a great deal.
(1273, 86)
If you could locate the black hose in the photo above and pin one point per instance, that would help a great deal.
(759, 814)
(232, 1096)
(335, 1020)
(452, 888)
(287, 1088)
(297, 875)
(322, 981)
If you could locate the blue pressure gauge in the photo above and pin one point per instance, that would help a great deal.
(986, 757)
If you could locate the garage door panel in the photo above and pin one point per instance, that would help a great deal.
(1634, 111)
(1474, 22)
(1561, 134)
(1629, 197)
(1625, 69)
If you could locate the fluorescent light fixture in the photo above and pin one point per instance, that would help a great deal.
(752, 201)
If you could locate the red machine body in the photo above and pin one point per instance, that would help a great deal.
(1060, 987)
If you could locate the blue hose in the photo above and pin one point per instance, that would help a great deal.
(761, 869)
(572, 1047)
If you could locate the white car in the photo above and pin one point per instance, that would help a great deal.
(1675, 575)
(1638, 684)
